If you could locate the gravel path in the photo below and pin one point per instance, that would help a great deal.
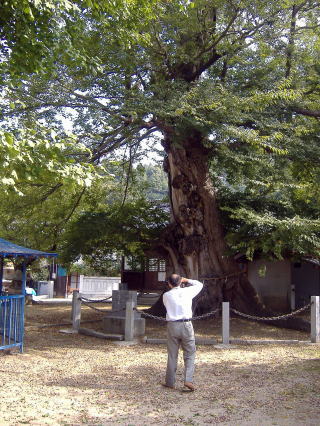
(67, 379)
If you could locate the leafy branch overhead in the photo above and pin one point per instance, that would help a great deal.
(233, 83)
(127, 230)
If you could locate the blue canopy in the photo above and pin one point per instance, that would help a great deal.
(10, 249)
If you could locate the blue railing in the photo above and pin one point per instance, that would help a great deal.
(12, 321)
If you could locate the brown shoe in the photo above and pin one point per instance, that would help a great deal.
(190, 386)
(167, 386)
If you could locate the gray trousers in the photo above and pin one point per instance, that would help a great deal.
(180, 333)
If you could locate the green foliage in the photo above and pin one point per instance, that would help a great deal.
(37, 155)
(271, 236)
(40, 270)
(270, 203)
(151, 182)
(108, 265)
(126, 71)
(53, 216)
(39, 218)
(100, 237)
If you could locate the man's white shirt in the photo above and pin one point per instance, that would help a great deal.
(178, 301)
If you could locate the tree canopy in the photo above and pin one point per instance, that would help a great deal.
(239, 77)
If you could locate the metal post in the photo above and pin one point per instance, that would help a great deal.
(129, 324)
(315, 319)
(23, 292)
(24, 278)
(225, 323)
(76, 310)
(1, 273)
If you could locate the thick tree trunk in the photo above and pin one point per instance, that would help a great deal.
(198, 237)
(195, 240)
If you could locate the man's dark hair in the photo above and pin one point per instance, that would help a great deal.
(174, 280)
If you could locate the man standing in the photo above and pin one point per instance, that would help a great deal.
(178, 303)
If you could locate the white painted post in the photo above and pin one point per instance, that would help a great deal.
(315, 319)
(225, 323)
(129, 324)
(76, 310)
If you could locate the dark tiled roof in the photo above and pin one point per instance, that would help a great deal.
(10, 249)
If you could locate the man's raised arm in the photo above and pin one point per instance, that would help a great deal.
(193, 286)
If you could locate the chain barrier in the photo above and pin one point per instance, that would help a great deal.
(119, 310)
(102, 310)
(223, 277)
(87, 302)
(285, 316)
(92, 307)
(211, 313)
(150, 315)
(207, 315)
(94, 300)
(198, 317)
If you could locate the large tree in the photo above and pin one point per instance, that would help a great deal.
(230, 79)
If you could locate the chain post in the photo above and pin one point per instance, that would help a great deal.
(225, 323)
(76, 310)
(129, 324)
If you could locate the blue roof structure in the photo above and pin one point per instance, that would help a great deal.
(12, 306)
(8, 249)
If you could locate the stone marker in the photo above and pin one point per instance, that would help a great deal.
(115, 321)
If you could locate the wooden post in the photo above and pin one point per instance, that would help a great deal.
(315, 319)
(129, 324)
(225, 323)
(76, 310)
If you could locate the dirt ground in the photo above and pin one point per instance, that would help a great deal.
(71, 379)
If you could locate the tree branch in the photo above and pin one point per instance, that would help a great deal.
(307, 112)
(127, 178)
(222, 35)
(110, 145)
(76, 204)
(51, 191)
(290, 46)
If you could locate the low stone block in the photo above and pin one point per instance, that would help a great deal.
(114, 324)
(93, 333)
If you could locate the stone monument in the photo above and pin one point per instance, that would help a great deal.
(114, 322)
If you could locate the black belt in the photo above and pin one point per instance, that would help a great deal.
(182, 320)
